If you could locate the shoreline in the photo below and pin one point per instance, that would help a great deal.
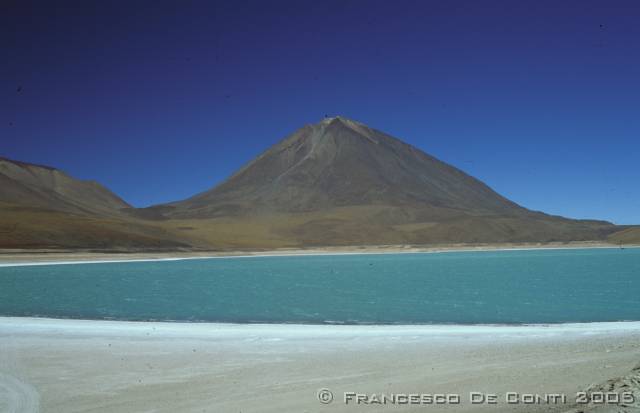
(220, 329)
(588, 326)
(27, 258)
(85, 365)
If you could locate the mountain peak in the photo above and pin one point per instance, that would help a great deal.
(329, 124)
(339, 119)
(329, 119)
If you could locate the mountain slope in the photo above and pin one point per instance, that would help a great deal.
(628, 235)
(339, 182)
(42, 207)
(339, 162)
(23, 183)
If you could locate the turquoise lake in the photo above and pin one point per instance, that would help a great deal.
(499, 287)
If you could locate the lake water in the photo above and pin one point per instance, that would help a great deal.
(514, 287)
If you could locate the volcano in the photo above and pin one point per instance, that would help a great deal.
(340, 182)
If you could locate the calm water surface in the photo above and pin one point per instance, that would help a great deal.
(538, 286)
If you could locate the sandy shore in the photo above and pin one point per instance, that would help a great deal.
(34, 257)
(102, 366)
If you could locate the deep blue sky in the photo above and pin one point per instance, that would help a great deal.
(161, 100)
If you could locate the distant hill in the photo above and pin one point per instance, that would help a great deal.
(334, 183)
(43, 207)
(46, 187)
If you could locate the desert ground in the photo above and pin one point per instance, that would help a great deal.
(107, 366)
